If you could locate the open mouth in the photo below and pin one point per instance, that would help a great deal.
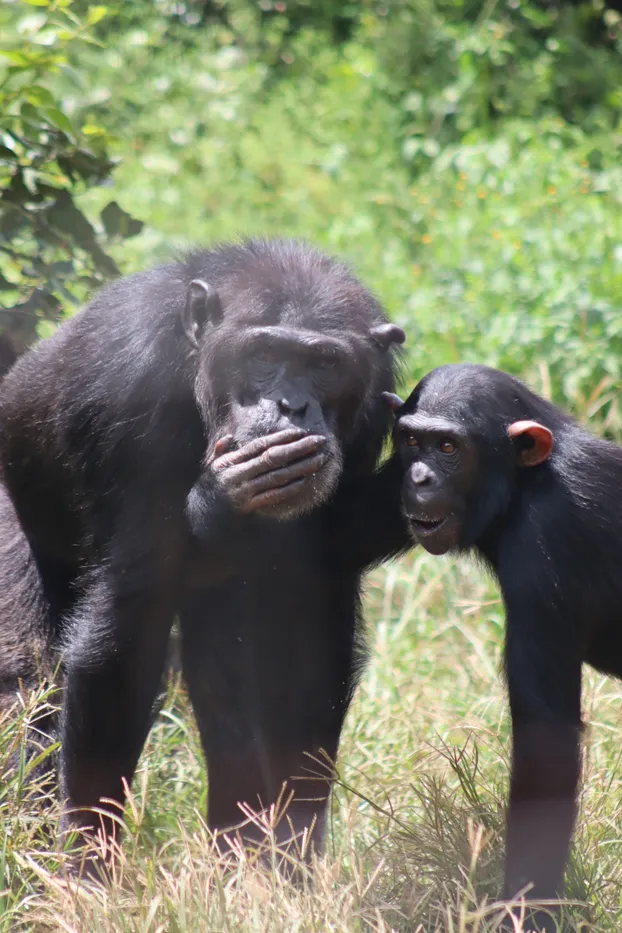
(426, 526)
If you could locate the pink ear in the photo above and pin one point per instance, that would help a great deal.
(542, 441)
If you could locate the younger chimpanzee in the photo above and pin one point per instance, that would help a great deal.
(495, 468)
(252, 375)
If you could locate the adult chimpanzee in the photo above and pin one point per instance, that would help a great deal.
(494, 468)
(254, 372)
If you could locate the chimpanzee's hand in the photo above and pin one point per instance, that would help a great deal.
(268, 470)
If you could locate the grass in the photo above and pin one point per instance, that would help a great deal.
(416, 835)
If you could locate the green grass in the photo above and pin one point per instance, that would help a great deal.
(416, 835)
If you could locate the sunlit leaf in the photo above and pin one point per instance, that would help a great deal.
(95, 14)
(60, 120)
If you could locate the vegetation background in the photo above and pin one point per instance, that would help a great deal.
(465, 156)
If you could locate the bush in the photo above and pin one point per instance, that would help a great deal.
(464, 155)
(50, 253)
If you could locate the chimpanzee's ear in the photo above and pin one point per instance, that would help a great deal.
(537, 442)
(393, 401)
(383, 335)
(202, 306)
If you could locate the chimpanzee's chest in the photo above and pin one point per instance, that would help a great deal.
(297, 545)
(285, 570)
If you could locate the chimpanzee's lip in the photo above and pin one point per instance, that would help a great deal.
(426, 526)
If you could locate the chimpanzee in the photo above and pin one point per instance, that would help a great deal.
(201, 441)
(494, 468)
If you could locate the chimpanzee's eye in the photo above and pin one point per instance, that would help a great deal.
(264, 355)
(327, 362)
(411, 440)
(446, 446)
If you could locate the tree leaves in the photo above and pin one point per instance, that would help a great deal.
(50, 252)
(118, 223)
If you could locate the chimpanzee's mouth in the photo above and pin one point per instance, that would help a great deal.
(426, 526)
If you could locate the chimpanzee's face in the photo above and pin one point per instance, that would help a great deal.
(441, 471)
(466, 435)
(257, 378)
(284, 378)
(269, 379)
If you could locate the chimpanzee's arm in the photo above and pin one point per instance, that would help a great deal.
(364, 525)
(543, 665)
(218, 531)
(210, 512)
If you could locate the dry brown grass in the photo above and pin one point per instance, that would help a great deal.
(416, 835)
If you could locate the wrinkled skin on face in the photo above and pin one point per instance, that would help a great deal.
(284, 397)
(285, 393)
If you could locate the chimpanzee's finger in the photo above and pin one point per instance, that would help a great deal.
(257, 446)
(271, 497)
(222, 445)
(270, 460)
(284, 475)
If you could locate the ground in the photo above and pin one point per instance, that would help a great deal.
(415, 842)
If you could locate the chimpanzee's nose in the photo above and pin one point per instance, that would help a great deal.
(421, 474)
(288, 408)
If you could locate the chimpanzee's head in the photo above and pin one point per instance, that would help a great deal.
(465, 435)
(287, 337)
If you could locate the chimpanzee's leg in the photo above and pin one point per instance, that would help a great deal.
(25, 617)
(270, 671)
(545, 696)
(113, 669)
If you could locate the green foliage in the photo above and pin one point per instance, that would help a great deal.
(50, 253)
(464, 156)
(520, 256)
(456, 67)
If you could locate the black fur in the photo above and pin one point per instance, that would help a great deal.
(106, 427)
(552, 534)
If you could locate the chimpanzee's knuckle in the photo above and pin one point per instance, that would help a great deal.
(269, 458)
